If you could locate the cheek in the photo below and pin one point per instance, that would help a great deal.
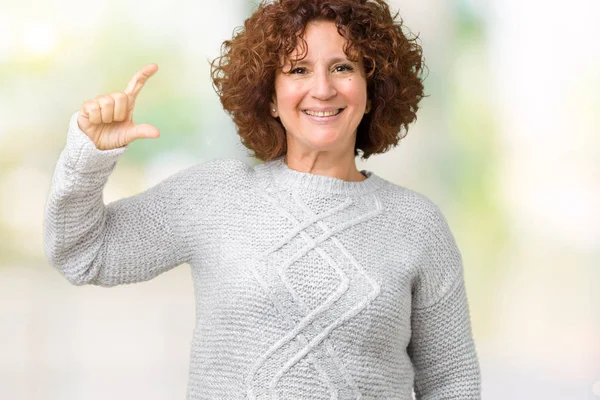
(288, 96)
(356, 90)
(287, 100)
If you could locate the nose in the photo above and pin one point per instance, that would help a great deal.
(323, 87)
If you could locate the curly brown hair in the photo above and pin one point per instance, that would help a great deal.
(244, 75)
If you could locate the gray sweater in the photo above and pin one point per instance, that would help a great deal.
(306, 286)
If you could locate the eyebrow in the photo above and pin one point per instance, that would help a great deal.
(332, 61)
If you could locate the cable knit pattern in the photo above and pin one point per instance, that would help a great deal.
(306, 286)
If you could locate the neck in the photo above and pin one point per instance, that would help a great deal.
(276, 172)
(343, 168)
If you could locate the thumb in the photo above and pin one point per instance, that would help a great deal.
(143, 131)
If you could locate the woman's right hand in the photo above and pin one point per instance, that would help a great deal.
(108, 120)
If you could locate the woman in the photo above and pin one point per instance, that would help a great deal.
(313, 280)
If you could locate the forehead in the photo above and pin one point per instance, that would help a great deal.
(320, 39)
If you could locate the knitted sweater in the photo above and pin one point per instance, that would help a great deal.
(306, 286)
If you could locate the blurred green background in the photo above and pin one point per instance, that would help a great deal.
(507, 144)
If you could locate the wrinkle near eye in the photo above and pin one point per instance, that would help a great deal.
(346, 67)
(297, 70)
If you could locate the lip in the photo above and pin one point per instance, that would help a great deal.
(323, 120)
(322, 109)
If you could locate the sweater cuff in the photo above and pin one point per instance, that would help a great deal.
(82, 153)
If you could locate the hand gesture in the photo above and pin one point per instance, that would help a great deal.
(108, 120)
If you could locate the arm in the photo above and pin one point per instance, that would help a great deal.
(130, 240)
(442, 348)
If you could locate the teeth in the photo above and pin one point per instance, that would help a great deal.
(322, 113)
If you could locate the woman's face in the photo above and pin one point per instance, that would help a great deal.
(323, 99)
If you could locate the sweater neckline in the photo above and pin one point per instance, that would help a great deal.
(286, 178)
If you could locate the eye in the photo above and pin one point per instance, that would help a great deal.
(343, 68)
(298, 70)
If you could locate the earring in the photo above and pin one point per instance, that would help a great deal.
(368, 108)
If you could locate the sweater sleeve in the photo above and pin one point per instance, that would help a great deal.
(127, 241)
(442, 348)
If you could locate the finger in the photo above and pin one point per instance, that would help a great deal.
(139, 79)
(92, 110)
(142, 131)
(107, 108)
(121, 101)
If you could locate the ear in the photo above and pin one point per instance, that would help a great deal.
(273, 108)
(368, 108)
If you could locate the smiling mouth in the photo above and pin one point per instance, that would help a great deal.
(323, 113)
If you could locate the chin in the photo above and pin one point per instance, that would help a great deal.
(322, 140)
(325, 143)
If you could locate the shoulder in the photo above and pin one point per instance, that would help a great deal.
(216, 170)
(422, 227)
(219, 166)
(211, 177)
(203, 186)
(413, 209)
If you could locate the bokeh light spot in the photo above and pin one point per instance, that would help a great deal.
(40, 39)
